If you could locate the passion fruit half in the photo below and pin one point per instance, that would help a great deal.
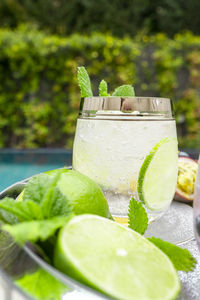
(187, 170)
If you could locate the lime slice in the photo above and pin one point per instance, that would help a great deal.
(115, 260)
(158, 175)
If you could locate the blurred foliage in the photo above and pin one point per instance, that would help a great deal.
(39, 96)
(119, 17)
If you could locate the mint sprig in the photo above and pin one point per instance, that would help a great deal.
(43, 210)
(35, 230)
(41, 285)
(20, 211)
(138, 221)
(42, 190)
(84, 82)
(181, 258)
(124, 91)
(103, 88)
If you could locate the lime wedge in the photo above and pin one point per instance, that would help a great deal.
(115, 260)
(158, 175)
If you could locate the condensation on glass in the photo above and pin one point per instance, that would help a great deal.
(113, 137)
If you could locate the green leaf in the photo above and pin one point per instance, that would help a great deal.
(42, 286)
(103, 89)
(7, 217)
(84, 82)
(33, 231)
(124, 91)
(60, 205)
(20, 211)
(48, 196)
(36, 187)
(42, 189)
(54, 203)
(40, 218)
(138, 219)
(181, 258)
(33, 209)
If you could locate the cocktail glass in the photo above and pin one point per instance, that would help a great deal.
(197, 207)
(129, 147)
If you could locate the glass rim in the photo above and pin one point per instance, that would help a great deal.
(127, 97)
(124, 107)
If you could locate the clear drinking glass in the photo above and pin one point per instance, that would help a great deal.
(114, 136)
(197, 207)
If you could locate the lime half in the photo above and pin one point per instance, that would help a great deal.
(115, 260)
(158, 175)
(84, 195)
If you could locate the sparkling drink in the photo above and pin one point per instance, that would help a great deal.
(110, 147)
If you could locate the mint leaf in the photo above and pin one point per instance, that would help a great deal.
(138, 219)
(33, 209)
(40, 218)
(36, 187)
(53, 202)
(181, 258)
(84, 82)
(60, 205)
(48, 196)
(33, 231)
(103, 89)
(7, 217)
(124, 91)
(21, 211)
(42, 190)
(42, 286)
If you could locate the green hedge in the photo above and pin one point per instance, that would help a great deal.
(39, 97)
(119, 17)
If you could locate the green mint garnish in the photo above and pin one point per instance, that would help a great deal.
(43, 191)
(86, 90)
(40, 217)
(181, 258)
(35, 230)
(41, 285)
(103, 89)
(20, 211)
(124, 91)
(84, 82)
(138, 219)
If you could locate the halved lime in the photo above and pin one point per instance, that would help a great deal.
(158, 175)
(84, 195)
(115, 260)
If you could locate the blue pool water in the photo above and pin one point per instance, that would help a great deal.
(17, 165)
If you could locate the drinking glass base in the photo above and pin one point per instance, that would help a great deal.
(175, 226)
(119, 206)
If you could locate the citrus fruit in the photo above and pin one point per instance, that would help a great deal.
(187, 171)
(158, 175)
(114, 260)
(84, 194)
